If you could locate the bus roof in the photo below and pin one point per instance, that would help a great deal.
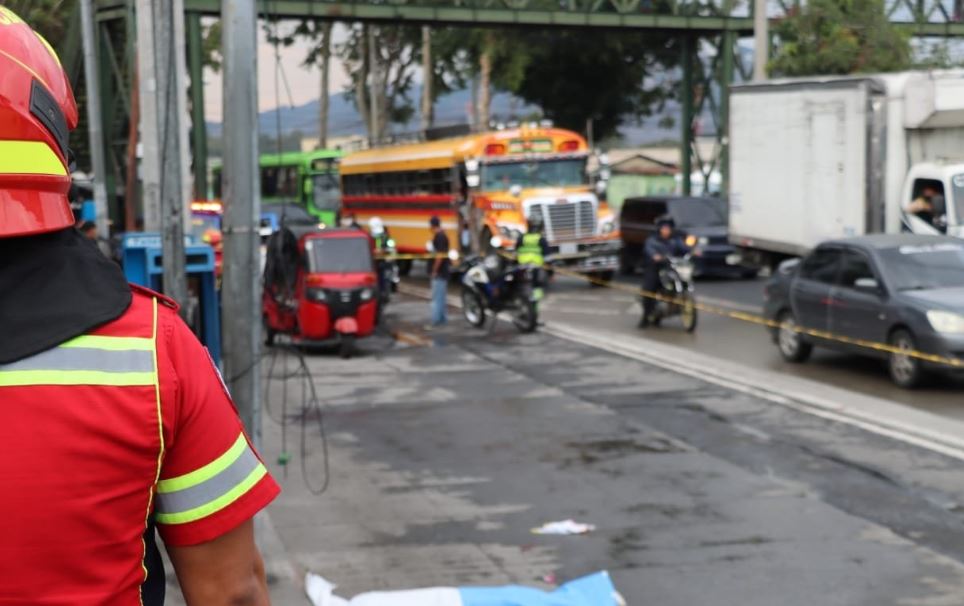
(445, 153)
(297, 157)
(289, 158)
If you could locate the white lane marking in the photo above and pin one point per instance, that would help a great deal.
(700, 366)
(741, 378)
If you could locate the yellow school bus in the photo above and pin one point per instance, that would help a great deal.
(485, 185)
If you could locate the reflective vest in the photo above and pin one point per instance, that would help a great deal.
(530, 252)
(103, 436)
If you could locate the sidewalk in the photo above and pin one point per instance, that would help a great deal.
(447, 448)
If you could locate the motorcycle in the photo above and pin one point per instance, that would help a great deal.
(676, 289)
(495, 284)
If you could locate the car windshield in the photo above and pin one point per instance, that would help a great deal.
(339, 255)
(698, 213)
(925, 266)
(540, 173)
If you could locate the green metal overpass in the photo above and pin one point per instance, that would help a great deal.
(718, 23)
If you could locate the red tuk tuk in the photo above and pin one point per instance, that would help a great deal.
(320, 286)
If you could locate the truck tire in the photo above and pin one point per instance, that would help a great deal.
(601, 278)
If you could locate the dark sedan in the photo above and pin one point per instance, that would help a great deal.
(906, 291)
(701, 222)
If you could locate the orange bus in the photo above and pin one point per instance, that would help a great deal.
(484, 185)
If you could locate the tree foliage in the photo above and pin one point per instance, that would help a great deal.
(606, 77)
(839, 37)
(49, 17)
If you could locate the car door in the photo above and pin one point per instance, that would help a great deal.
(812, 290)
(859, 309)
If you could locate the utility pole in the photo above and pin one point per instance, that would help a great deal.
(161, 59)
(374, 74)
(96, 131)
(428, 75)
(761, 40)
(242, 210)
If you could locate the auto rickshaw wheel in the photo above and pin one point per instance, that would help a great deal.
(269, 333)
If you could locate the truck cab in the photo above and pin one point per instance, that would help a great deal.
(947, 181)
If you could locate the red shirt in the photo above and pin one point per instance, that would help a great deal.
(99, 435)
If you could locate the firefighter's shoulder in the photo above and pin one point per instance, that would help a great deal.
(143, 291)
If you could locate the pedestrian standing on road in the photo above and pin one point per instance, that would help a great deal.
(113, 419)
(439, 272)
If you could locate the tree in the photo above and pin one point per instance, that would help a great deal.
(839, 37)
(604, 77)
(380, 61)
(46, 16)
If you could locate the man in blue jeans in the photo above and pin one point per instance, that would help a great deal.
(439, 271)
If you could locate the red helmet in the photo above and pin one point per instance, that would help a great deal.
(37, 111)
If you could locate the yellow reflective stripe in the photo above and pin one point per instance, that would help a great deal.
(217, 504)
(23, 378)
(160, 451)
(29, 158)
(111, 343)
(208, 471)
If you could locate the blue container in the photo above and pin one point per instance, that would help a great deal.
(143, 264)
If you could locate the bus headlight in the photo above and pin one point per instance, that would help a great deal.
(607, 227)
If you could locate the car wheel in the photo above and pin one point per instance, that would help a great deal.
(791, 343)
(905, 370)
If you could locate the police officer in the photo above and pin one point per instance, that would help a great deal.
(383, 246)
(657, 250)
(531, 248)
(114, 422)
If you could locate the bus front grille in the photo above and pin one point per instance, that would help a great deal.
(567, 220)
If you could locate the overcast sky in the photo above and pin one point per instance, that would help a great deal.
(304, 82)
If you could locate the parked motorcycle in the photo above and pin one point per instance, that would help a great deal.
(676, 288)
(495, 284)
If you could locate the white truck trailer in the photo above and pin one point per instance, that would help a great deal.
(818, 158)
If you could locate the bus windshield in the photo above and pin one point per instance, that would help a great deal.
(538, 173)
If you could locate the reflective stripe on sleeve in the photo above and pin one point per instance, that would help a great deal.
(86, 360)
(211, 488)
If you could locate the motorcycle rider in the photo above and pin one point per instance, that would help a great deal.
(532, 248)
(658, 249)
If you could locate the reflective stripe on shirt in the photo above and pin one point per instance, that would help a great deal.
(86, 360)
(211, 488)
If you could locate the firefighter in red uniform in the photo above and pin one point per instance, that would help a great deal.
(113, 421)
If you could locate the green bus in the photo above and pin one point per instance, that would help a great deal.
(306, 178)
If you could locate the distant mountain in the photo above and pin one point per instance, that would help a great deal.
(454, 108)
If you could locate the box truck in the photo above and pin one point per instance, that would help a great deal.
(813, 159)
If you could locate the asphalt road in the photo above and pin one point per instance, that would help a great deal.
(572, 301)
(446, 447)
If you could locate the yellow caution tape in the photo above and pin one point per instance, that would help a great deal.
(744, 316)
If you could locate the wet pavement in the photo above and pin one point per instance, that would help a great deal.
(446, 448)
